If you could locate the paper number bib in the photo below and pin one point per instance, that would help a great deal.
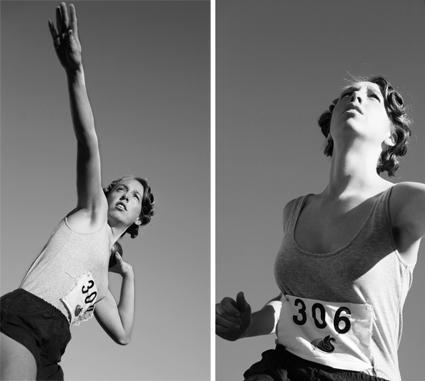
(333, 334)
(80, 302)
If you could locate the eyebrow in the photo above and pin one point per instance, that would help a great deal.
(126, 187)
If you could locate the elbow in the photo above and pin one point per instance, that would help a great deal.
(88, 143)
(123, 340)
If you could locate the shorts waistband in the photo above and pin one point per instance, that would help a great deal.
(55, 312)
(281, 365)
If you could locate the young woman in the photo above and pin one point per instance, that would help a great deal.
(347, 257)
(68, 282)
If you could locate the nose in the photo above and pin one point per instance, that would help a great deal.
(356, 96)
(124, 196)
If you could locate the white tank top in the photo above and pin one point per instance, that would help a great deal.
(361, 286)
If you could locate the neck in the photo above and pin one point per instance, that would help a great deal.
(353, 172)
(117, 231)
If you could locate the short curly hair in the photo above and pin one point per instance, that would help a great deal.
(148, 202)
(397, 113)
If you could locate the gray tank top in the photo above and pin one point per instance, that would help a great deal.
(368, 269)
(65, 260)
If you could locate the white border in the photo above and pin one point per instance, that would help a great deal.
(212, 185)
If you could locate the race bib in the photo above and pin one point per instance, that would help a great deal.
(80, 302)
(334, 334)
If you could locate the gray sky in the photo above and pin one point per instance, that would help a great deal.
(279, 65)
(147, 66)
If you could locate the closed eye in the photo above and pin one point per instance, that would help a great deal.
(347, 92)
(374, 95)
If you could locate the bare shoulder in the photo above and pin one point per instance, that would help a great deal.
(408, 192)
(408, 206)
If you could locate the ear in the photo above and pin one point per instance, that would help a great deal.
(391, 140)
(138, 222)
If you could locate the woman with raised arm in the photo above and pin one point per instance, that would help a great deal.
(68, 282)
(346, 261)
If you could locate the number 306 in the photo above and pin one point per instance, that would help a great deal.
(318, 312)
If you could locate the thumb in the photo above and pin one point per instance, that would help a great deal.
(71, 36)
(242, 303)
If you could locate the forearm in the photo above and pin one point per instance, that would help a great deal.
(264, 321)
(82, 115)
(126, 304)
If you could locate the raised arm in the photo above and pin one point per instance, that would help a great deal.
(68, 49)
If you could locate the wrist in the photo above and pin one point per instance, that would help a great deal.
(128, 274)
(76, 74)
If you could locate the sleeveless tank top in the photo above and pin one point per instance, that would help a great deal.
(71, 273)
(367, 270)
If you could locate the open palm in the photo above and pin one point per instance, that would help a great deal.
(65, 37)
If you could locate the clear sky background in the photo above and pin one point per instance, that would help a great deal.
(279, 65)
(147, 66)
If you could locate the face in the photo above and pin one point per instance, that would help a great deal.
(361, 109)
(125, 202)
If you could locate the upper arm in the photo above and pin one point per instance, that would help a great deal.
(89, 188)
(106, 313)
(92, 206)
(408, 209)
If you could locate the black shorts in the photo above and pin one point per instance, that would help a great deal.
(40, 327)
(280, 365)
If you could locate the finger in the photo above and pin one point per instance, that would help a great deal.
(59, 20)
(54, 34)
(73, 20)
(242, 303)
(220, 329)
(52, 29)
(65, 18)
(222, 313)
(228, 310)
(230, 325)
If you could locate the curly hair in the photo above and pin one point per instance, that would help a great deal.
(148, 202)
(397, 113)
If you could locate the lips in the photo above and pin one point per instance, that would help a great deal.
(121, 206)
(353, 107)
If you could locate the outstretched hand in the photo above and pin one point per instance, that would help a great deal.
(232, 317)
(65, 37)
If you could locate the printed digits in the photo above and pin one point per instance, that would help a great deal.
(91, 297)
(85, 289)
(319, 324)
(344, 319)
(303, 319)
(88, 288)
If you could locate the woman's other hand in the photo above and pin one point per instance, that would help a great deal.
(232, 317)
(121, 267)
